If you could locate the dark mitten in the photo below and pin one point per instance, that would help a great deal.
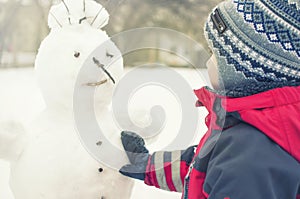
(137, 153)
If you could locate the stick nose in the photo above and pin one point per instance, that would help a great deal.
(104, 70)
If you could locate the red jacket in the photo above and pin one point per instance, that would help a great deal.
(251, 150)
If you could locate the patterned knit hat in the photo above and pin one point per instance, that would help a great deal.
(256, 43)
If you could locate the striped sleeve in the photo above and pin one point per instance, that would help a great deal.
(166, 170)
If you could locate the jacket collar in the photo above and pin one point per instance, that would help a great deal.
(272, 98)
(275, 112)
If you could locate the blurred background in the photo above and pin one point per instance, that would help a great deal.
(23, 25)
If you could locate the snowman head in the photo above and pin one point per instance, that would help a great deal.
(68, 47)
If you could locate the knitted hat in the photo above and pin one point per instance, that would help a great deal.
(256, 43)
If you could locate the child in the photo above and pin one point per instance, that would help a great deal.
(252, 147)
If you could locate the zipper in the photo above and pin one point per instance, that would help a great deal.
(187, 181)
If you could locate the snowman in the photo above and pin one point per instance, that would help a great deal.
(49, 161)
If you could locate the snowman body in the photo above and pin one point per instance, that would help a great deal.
(54, 164)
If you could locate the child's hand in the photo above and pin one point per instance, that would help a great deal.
(137, 153)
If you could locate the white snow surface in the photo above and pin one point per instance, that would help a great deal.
(22, 101)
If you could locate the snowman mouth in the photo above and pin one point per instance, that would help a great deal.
(97, 83)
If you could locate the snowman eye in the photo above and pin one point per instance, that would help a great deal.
(76, 54)
(109, 55)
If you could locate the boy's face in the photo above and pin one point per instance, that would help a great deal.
(212, 68)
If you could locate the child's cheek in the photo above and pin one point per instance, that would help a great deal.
(212, 68)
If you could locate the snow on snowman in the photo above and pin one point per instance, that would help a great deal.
(49, 161)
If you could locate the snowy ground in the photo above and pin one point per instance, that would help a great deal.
(21, 100)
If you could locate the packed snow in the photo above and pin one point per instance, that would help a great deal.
(21, 100)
